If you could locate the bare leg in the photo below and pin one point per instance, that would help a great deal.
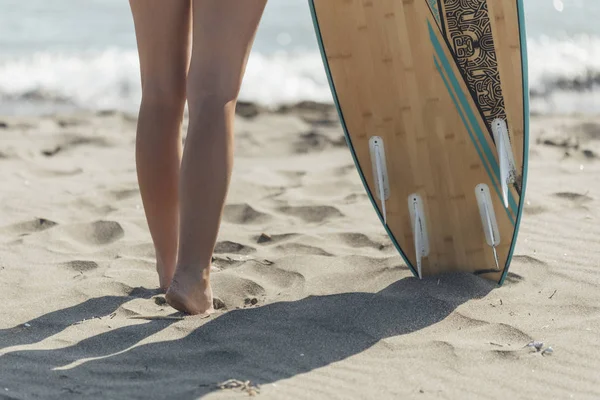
(163, 38)
(223, 33)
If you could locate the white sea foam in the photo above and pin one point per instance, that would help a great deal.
(110, 79)
(564, 76)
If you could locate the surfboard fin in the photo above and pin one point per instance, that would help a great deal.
(488, 218)
(505, 157)
(380, 175)
(417, 216)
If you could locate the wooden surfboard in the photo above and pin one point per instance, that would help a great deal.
(433, 99)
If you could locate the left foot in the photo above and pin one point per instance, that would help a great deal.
(165, 275)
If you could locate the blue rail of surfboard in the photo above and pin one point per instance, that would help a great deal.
(525, 75)
(349, 140)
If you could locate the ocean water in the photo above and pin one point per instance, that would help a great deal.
(63, 54)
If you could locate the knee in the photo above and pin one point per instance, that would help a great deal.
(211, 89)
(164, 94)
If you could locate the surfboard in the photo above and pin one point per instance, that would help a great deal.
(433, 99)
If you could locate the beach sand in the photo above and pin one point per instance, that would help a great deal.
(315, 301)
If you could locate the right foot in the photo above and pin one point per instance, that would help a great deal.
(190, 295)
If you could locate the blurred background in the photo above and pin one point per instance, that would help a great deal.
(71, 54)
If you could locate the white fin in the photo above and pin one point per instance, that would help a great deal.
(380, 176)
(417, 216)
(488, 218)
(418, 234)
(505, 156)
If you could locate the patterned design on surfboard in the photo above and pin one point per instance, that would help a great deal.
(466, 28)
(468, 32)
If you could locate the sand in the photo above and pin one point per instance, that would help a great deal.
(316, 303)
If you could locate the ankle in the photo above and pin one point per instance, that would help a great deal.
(193, 271)
(163, 260)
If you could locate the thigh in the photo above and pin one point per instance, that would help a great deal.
(223, 33)
(162, 29)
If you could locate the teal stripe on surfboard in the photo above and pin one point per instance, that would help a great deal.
(468, 127)
(435, 10)
(489, 155)
(349, 140)
(525, 77)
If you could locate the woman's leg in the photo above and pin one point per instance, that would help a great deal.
(223, 33)
(163, 36)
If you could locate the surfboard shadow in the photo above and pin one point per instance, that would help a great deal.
(263, 344)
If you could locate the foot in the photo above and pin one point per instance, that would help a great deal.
(190, 294)
(165, 275)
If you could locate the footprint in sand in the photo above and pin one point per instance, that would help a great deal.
(28, 227)
(66, 123)
(343, 171)
(273, 278)
(301, 249)
(529, 260)
(233, 247)
(355, 198)
(244, 214)
(124, 194)
(80, 265)
(233, 290)
(316, 141)
(4, 155)
(265, 239)
(576, 198)
(69, 142)
(96, 233)
(312, 214)
(355, 239)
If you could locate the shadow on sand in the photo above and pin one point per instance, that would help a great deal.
(54, 322)
(263, 344)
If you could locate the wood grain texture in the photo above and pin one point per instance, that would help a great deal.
(428, 77)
